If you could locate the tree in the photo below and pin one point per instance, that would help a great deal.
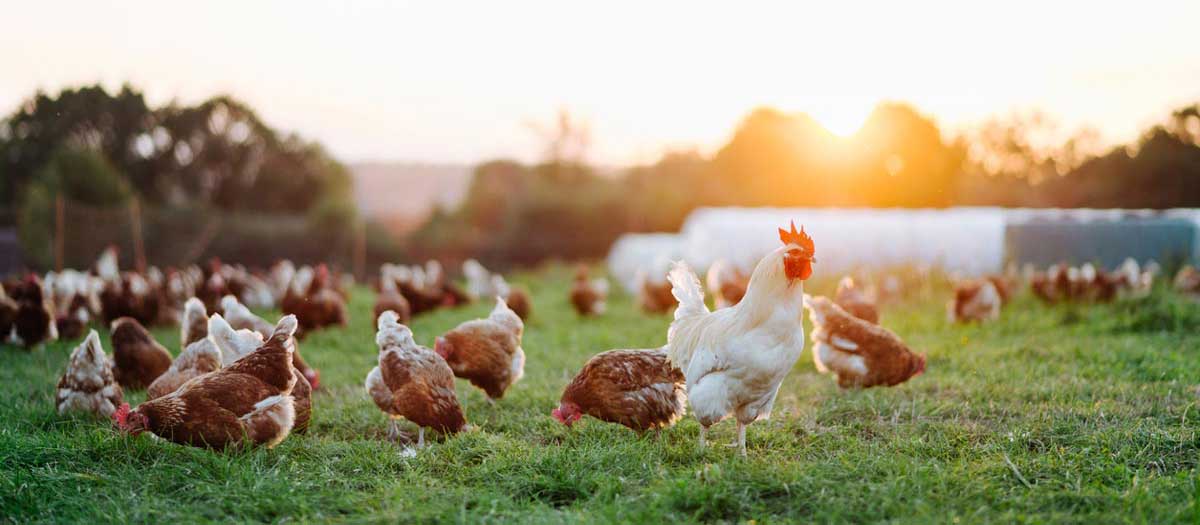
(81, 176)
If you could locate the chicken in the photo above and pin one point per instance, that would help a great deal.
(314, 301)
(412, 382)
(862, 354)
(194, 326)
(411, 284)
(34, 320)
(248, 402)
(68, 294)
(1005, 285)
(1052, 286)
(199, 358)
(107, 264)
(301, 399)
(241, 318)
(855, 300)
(517, 298)
(654, 291)
(389, 297)
(235, 345)
(974, 301)
(137, 358)
(588, 296)
(636, 388)
(734, 359)
(73, 318)
(486, 352)
(726, 282)
(1133, 282)
(1187, 281)
(479, 279)
(8, 315)
(88, 384)
(130, 295)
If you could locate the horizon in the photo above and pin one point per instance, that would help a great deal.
(370, 92)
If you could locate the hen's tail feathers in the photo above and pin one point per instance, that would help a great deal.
(285, 328)
(685, 286)
(270, 421)
(390, 332)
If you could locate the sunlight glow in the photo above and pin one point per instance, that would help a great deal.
(843, 120)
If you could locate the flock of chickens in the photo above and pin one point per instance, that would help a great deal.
(240, 380)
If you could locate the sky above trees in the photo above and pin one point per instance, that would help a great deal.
(463, 82)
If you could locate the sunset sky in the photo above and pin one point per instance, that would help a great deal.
(461, 82)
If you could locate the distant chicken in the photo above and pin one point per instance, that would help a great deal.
(654, 291)
(70, 298)
(241, 318)
(479, 280)
(727, 283)
(88, 384)
(1052, 286)
(1187, 281)
(862, 354)
(72, 319)
(1005, 285)
(974, 301)
(517, 298)
(487, 352)
(194, 325)
(389, 297)
(856, 301)
(412, 382)
(588, 296)
(279, 279)
(199, 358)
(8, 315)
(636, 388)
(314, 301)
(34, 321)
(1134, 283)
(248, 402)
(214, 287)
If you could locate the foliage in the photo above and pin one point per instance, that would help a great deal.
(217, 153)
(1022, 420)
(79, 176)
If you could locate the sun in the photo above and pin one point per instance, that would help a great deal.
(842, 121)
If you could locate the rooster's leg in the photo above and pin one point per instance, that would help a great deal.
(393, 430)
(420, 437)
(703, 436)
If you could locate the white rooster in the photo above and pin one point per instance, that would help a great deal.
(735, 358)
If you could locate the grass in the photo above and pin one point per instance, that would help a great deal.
(1065, 414)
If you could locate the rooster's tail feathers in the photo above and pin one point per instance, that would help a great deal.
(685, 286)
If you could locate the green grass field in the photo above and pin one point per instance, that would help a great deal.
(1061, 414)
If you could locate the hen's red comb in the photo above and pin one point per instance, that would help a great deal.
(121, 416)
(799, 238)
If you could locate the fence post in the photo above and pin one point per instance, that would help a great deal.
(59, 230)
(139, 251)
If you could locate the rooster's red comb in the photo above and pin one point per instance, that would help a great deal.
(799, 238)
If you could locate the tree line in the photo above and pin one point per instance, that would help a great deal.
(100, 148)
(899, 158)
